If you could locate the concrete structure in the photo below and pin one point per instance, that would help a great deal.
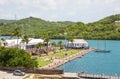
(77, 43)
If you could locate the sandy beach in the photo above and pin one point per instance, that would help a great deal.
(58, 62)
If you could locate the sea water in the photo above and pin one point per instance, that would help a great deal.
(97, 63)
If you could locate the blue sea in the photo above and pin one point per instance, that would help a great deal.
(97, 63)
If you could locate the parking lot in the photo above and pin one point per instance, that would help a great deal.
(9, 75)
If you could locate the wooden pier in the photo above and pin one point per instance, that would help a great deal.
(97, 76)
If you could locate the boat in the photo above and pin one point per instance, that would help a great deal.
(102, 50)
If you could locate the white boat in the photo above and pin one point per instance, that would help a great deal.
(102, 50)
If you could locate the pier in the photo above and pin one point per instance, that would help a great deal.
(97, 76)
(70, 75)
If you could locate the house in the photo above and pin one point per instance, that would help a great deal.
(77, 43)
(117, 22)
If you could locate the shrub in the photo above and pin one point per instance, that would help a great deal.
(13, 57)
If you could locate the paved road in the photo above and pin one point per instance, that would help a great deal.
(9, 75)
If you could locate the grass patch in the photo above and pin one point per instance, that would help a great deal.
(43, 62)
(46, 59)
(26, 77)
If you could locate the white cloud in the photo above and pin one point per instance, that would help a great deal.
(117, 10)
(59, 9)
(72, 13)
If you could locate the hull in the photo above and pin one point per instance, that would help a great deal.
(102, 51)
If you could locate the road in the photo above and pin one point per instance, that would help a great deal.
(9, 75)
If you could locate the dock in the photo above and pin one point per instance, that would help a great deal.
(69, 75)
(97, 76)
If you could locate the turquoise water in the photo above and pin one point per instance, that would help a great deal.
(5, 37)
(97, 63)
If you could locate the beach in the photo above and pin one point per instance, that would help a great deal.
(59, 62)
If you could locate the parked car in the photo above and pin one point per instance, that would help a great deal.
(18, 73)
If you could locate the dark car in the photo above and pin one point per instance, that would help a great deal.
(18, 73)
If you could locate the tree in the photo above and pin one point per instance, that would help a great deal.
(60, 44)
(46, 40)
(12, 57)
(53, 44)
(39, 45)
(17, 33)
(25, 39)
(71, 40)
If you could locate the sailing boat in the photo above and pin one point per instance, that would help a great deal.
(102, 50)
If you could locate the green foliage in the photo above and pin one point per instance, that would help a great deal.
(25, 39)
(16, 58)
(39, 45)
(60, 44)
(102, 29)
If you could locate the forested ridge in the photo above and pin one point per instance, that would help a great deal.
(36, 27)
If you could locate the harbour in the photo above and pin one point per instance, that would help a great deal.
(97, 63)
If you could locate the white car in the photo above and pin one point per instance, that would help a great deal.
(18, 73)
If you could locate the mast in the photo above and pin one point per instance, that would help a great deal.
(105, 44)
(97, 44)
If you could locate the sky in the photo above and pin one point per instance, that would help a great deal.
(59, 10)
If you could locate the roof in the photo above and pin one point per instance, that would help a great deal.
(12, 42)
(78, 41)
(35, 41)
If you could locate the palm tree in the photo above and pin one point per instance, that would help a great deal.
(53, 44)
(47, 39)
(60, 44)
(39, 45)
(71, 40)
(25, 39)
(17, 33)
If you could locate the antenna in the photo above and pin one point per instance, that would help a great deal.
(15, 20)
(29, 25)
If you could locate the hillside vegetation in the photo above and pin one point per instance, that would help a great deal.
(36, 27)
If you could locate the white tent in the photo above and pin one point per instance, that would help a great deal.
(77, 43)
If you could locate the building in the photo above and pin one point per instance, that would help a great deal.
(22, 45)
(117, 22)
(77, 43)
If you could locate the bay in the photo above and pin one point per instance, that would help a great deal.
(97, 63)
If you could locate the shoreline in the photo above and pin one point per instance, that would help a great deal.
(58, 62)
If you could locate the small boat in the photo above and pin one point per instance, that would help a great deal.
(102, 51)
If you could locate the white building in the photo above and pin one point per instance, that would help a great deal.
(14, 42)
(117, 22)
(77, 43)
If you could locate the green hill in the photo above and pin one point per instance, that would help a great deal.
(3, 21)
(36, 27)
(102, 29)
(106, 28)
